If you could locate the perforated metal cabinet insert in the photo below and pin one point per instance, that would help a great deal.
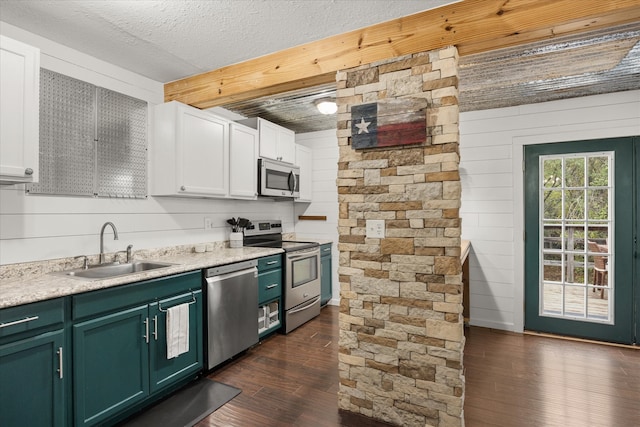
(122, 145)
(93, 141)
(67, 146)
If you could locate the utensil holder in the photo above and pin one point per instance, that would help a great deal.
(235, 239)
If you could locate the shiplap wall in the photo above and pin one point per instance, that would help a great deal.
(324, 146)
(43, 227)
(491, 151)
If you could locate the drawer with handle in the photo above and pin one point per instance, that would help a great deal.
(267, 263)
(30, 317)
(269, 285)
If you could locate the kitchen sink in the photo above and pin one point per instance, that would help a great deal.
(113, 270)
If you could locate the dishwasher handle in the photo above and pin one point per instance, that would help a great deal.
(221, 277)
(230, 268)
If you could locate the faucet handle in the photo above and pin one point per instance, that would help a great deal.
(85, 262)
(129, 257)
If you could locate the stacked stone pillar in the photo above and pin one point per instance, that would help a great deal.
(401, 326)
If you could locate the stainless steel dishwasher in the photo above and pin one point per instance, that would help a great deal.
(232, 310)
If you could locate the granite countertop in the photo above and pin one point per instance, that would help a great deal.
(465, 246)
(39, 286)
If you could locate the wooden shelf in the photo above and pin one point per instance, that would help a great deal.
(312, 218)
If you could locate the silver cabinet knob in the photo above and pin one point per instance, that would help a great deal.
(28, 171)
(183, 188)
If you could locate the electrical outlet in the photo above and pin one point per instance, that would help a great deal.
(375, 228)
(208, 225)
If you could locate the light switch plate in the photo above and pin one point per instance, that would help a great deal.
(375, 228)
(208, 225)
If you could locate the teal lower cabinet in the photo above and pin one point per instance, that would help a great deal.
(120, 359)
(31, 387)
(110, 364)
(326, 274)
(269, 294)
(163, 371)
(33, 360)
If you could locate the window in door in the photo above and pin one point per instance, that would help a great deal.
(575, 197)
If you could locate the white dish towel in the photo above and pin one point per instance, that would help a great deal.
(177, 330)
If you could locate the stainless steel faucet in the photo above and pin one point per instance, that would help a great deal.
(115, 237)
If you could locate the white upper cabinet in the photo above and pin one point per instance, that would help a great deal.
(276, 142)
(19, 112)
(190, 152)
(243, 162)
(304, 159)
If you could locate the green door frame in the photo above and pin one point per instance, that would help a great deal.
(636, 249)
(623, 330)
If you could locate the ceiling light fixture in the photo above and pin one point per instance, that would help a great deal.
(326, 105)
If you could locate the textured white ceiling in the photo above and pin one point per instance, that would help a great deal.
(171, 39)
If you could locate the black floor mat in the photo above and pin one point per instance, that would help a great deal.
(187, 406)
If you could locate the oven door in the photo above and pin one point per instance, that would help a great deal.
(278, 179)
(302, 281)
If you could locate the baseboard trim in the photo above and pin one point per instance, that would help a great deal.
(491, 324)
(567, 338)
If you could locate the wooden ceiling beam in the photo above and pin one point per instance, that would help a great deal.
(472, 25)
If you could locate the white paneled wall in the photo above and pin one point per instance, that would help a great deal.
(491, 152)
(324, 145)
(36, 227)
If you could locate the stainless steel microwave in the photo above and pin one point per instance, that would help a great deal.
(278, 179)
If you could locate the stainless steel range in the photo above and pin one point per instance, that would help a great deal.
(301, 293)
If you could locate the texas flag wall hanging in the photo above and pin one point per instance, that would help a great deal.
(389, 122)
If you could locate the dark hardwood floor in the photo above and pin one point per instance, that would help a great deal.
(511, 380)
(288, 380)
(525, 380)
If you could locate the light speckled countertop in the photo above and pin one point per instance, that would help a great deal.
(39, 286)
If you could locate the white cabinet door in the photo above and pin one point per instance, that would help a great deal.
(202, 154)
(304, 159)
(243, 162)
(268, 139)
(286, 145)
(190, 152)
(19, 111)
(276, 142)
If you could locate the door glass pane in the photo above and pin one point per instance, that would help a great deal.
(598, 171)
(598, 203)
(576, 200)
(574, 172)
(574, 301)
(553, 204)
(576, 240)
(552, 301)
(553, 268)
(576, 269)
(574, 204)
(552, 172)
(552, 236)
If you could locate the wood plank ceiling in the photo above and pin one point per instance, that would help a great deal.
(512, 52)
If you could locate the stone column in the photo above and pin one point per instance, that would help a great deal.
(401, 325)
